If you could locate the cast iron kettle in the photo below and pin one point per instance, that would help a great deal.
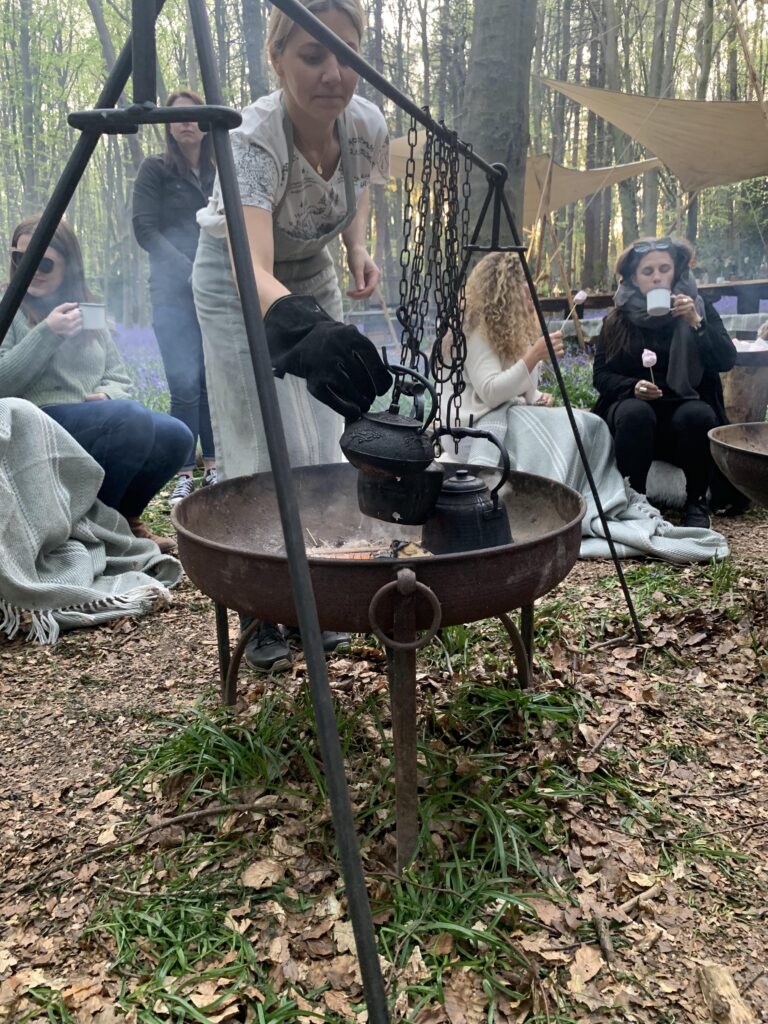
(386, 443)
(409, 500)
(467, 515)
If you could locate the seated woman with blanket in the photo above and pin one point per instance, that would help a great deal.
(68, 560)
(502, 396)
(77, 377)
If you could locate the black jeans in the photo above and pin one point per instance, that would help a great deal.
(673, 431)
(138, 450)
(181, 346)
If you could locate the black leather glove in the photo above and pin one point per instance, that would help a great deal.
(340, 365)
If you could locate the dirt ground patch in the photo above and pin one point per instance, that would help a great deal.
(657, 877)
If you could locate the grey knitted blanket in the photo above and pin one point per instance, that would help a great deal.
(66, 560)
(540, 440)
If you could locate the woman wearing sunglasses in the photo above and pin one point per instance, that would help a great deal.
(77, 377)
(662, 408)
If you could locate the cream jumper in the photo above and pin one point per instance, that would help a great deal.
(491, 383)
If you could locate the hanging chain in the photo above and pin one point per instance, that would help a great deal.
(410, 312)
(435, 238)
(449, 350)
(403, 311)
(459, 346)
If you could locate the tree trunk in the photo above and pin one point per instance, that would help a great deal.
(558, 100)
(651, 179)
(622, 144)
(253, 31)
(704, 59)
(541, 141)
(593, 204)
(496, 108)
(421, 6)
(29, 114)
(667, 78)
(108, 52)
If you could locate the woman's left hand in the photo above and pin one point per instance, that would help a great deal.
(364, 272)
(544, 399)
(684, 306)
(97, 396)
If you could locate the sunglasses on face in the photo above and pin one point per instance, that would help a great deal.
(641, 248)
(45, 265)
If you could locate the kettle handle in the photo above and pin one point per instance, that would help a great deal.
(475, 432)
(400, 371)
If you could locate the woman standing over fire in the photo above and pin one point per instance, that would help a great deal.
(305, 156)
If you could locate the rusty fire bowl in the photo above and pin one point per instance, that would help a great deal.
(740, 451)
(231, 546)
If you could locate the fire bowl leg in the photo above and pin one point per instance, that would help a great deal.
(402, 700)
(401, 650)
(229, 680)
(526, 631)
(222, 642)
(521, 654)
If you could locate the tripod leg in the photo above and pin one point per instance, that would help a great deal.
(574, 426)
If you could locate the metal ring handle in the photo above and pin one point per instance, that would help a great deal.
(409, 645)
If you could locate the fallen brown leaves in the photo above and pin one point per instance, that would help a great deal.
(666, 882)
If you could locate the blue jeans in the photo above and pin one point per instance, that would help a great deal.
(181, 346)
(138, 450)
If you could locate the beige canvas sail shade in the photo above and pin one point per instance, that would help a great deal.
(702, 142)
(564, 186)
(568, 185)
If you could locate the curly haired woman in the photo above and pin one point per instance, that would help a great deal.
(504, 351)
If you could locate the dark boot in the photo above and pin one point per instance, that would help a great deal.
(331, 639)
(267, 650)
(696, 513)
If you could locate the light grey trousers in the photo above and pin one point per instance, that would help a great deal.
(312, 430)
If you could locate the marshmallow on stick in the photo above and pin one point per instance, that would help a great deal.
(649, 361)
(578, 298)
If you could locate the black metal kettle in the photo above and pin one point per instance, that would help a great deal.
(389, 444)
(468, 515)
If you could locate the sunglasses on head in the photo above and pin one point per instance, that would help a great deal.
(641, 248)
(45, 266)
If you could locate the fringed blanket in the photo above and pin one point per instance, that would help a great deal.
(67, 560)
(540, 440)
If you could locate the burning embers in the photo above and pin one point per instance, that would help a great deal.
(366, 552)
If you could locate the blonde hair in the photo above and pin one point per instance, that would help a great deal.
(280, 25)
(497, 304)
(763, 332)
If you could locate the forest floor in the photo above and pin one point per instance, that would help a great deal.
(593, 849)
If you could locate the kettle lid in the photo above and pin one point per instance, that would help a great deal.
(462, 482)
(391, 419)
